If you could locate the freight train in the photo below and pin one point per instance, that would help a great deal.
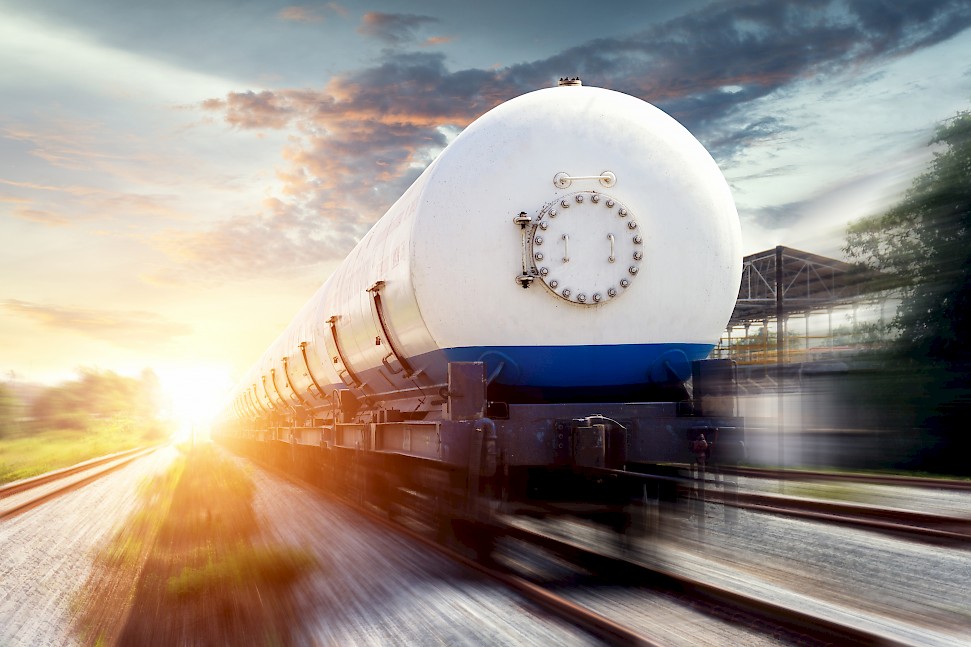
(533, 314)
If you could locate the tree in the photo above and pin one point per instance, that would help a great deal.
(98, 395)
(922, 249)
(9, 410)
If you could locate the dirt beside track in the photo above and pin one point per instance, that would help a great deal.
(383, 589)
(145, 557)
(47, 554)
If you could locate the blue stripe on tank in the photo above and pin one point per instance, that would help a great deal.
(566, 366)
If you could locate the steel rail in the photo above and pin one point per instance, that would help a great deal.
(98, 467)
(889, 520)
(32, 482)
(849, 477)
(827, 630)
(897, 521)
(586, 619)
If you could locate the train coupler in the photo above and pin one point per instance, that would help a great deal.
(594, 441)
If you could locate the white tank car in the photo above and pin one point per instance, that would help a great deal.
(575, 239)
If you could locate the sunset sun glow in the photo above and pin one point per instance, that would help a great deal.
(193, 397)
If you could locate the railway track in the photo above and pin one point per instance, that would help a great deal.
(761, 605)
(849, 477)
(596, 624)
(600, 626)
(894, 521)
(898, 522)
(21, 496)
(736, 596)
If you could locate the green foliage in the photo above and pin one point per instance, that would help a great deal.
(97, 414)
(244, 565)
(922, 249)
(98, 395)
(861, 334)
(188, 568)
(10, 411)
(763, 337)
(28, 454)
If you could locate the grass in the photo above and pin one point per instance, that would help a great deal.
(845, 492)
(189, 566)
(245, 564)
(31, 453)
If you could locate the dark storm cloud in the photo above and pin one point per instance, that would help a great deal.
(703, 66)
(393, 28)
(730, 138)
(378, 126)
(699, 67)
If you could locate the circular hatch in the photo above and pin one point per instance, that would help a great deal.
(587, 248)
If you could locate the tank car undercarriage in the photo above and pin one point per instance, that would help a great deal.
(481, 456)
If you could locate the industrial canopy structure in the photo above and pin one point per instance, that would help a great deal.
(800, 281)
(781, 282)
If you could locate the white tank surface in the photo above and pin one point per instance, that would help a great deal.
(572, 238)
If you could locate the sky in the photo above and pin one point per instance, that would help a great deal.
(176, 179)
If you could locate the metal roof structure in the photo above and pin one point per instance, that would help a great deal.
(792, 281)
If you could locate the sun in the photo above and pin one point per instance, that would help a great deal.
(194, 396)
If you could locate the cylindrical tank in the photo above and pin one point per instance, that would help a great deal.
(575, 239)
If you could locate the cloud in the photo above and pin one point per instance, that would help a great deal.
(355, 149)
(71, 144)
(41, 216)
(311, 14)
(437, 40)
(361, 139)
(393, 28)
(706, 66)
(93, 203)
(252, 109)
(99, 161)
(272, 243)
(69, 189)
(123, 328)
(301, 14)
(700, 67)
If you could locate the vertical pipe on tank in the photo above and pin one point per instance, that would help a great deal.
(310, 373)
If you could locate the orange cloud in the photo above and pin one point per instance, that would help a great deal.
(437, 40)
(355, 145)
(300, 14)
(41, 216)
(358, 142)
(337, 8)
(252, 110)
(393, 28)
(311, 14)
(124, 328)
(283, 237)
(90, 203)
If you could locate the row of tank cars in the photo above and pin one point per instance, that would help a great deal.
(531, 316)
